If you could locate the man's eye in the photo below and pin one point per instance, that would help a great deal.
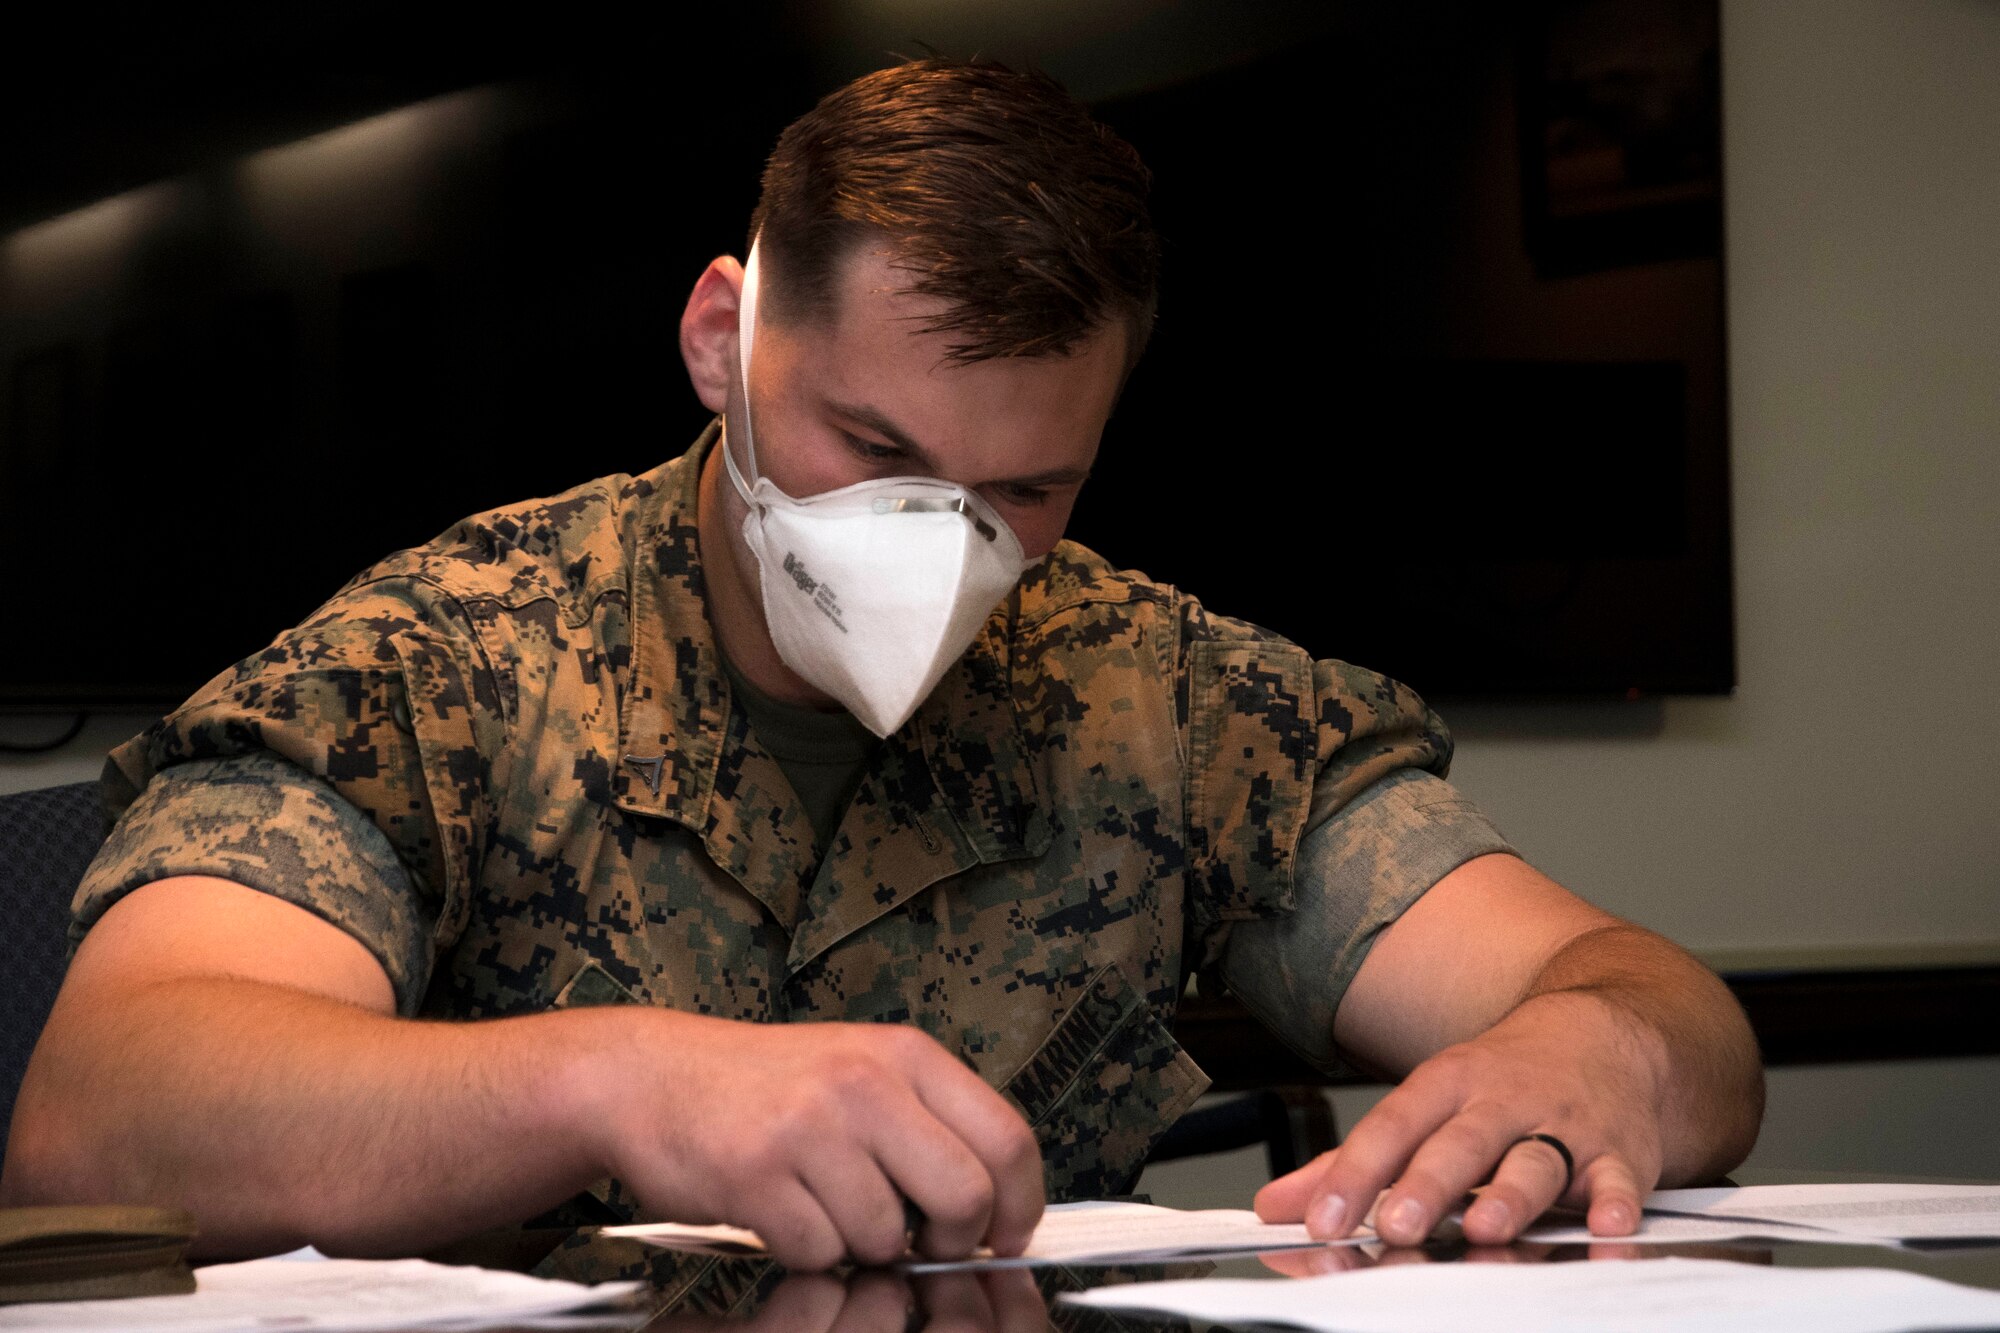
(869, 450)
(1023, 495)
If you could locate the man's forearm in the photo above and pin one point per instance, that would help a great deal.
(281, 1118)
(1512, 1009)
(1685, 1022)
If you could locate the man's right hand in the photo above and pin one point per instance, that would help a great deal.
(221, 1050)
(813, 1135)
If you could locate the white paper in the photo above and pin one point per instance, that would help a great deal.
(1631, 1295)
(331, 1294)
(1894, 1212)
(1070, 1233)
(715, 1239)
(1678, 1230)
(1122, 1233)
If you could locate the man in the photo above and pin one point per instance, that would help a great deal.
(821, 721)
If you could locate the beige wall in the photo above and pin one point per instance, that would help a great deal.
(1849, 793)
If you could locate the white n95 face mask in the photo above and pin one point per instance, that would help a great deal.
(871, 591)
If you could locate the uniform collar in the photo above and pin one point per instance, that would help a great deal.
(686, 755)
(674, 707)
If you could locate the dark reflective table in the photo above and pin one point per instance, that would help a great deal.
(696, 1293)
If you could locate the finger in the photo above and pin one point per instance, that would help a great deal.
(1316, 1262)
(795, 1229)
(1453, 1158)
(954, 1301)
(864, 1207)
(1018, 1305)
(1286, 1198)
(805, 1303)
(876, 1301)
(1497, 1254)
(1528, 1180)
(940, 1175)
(1615, 1197)
(1377, 1149)
(997, 1135)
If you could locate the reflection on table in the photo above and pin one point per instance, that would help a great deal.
(700, 1292)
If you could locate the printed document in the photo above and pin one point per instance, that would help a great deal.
(1853, 1212)
(1631, 1295)
(1659, 1229)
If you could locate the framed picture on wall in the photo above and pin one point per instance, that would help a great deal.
(1621, 138)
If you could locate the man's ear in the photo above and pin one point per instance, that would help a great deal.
(708, 331)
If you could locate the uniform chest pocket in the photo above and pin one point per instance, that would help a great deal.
(592, 986)
(1102, 1088)
(607, 1202)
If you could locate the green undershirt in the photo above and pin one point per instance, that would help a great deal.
(823, 755)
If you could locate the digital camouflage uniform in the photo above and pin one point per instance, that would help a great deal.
(508, 763)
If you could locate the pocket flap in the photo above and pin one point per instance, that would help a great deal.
(592, 985)
(1102, 1088)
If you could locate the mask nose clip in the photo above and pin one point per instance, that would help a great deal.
(954, 506)
(979, 525)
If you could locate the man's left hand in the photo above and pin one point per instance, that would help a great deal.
(1512, 1008)
(1566, 1065)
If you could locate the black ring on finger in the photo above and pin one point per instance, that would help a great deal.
(1569, 1162)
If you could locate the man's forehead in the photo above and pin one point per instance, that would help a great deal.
(872, 283)
(876, 310)
(876, 285)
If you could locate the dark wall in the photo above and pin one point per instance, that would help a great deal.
(1437, 384)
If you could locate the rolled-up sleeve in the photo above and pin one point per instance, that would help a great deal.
(265, 824)
(346, 768)
(1362, 863)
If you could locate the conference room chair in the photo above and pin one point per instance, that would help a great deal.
(47, 838)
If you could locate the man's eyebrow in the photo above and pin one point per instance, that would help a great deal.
(873, 420)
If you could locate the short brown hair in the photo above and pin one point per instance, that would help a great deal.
(996, 191)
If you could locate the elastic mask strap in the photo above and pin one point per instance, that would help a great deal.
(735, 475)
(746, 333)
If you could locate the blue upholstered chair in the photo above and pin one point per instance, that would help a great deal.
(47, 838)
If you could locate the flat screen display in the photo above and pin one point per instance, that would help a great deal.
(1437, 383)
